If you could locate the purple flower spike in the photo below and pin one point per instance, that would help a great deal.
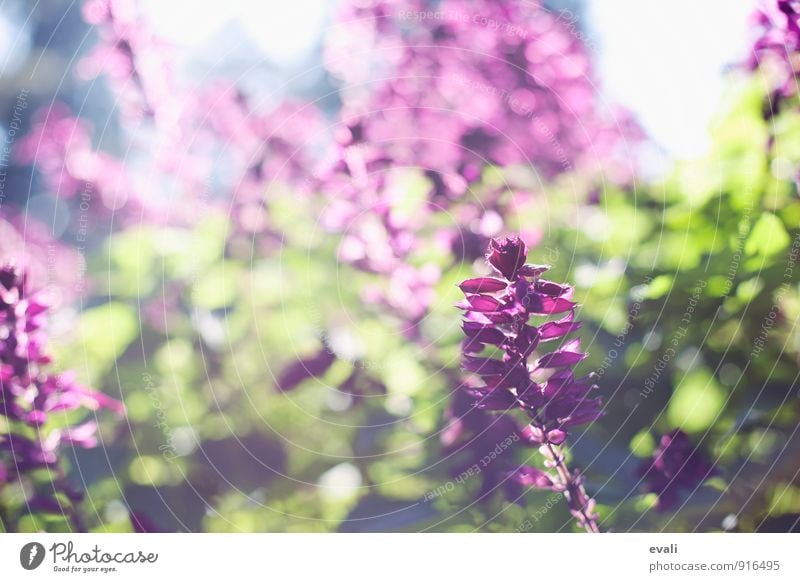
(776, 48)
(677, 465)
(29, 395)
(540, 384)
(507, 256)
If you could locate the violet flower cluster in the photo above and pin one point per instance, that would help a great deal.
(235, 150)
(777, 46)
(131, 56)
(30, 395)
(521, 374)
(59, 146)
(450, 88)
(48, 262)
(477, 82)
(677, 466)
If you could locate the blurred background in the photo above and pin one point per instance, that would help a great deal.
(249, 221)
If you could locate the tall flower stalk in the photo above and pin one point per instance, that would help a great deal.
(30, 395)
(504, 350)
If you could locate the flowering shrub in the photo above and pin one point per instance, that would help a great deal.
(445, 98)
(470, 84)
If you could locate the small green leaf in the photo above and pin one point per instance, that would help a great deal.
(643, 444)
(697, 402)
(659, 287)
(105, 332)
(768, 236)
(216, 288)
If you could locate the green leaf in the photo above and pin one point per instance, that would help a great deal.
(749, 290)
(403, 373)
(768, 236)
(103, 335)
(643, 444)
(697, 402)
(659, 287)
(216, 288)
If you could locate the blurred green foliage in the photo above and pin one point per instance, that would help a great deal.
(688, 285)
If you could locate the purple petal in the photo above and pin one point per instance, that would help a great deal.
(557, 329)
(586, 412)
(528, 476)
(484, 366)
(493, 399)
(483, 333)
(556, 436)
(483, 285)
(6, 372)
(527, 340)
(507, 256)
(560, 359)
(533, 435)
(550, 306)
(481, 303)
(551, 289)
(533, 270)
(498, 316)
(84, 435)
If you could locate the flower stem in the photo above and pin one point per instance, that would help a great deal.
(579, 502)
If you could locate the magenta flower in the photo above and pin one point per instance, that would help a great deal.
(48, 262)
(677, 465)
(131, 56)
(480, 82)
(777, 45)
(30, 396)
(59, 147)
(518, 374)
(506, 257)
